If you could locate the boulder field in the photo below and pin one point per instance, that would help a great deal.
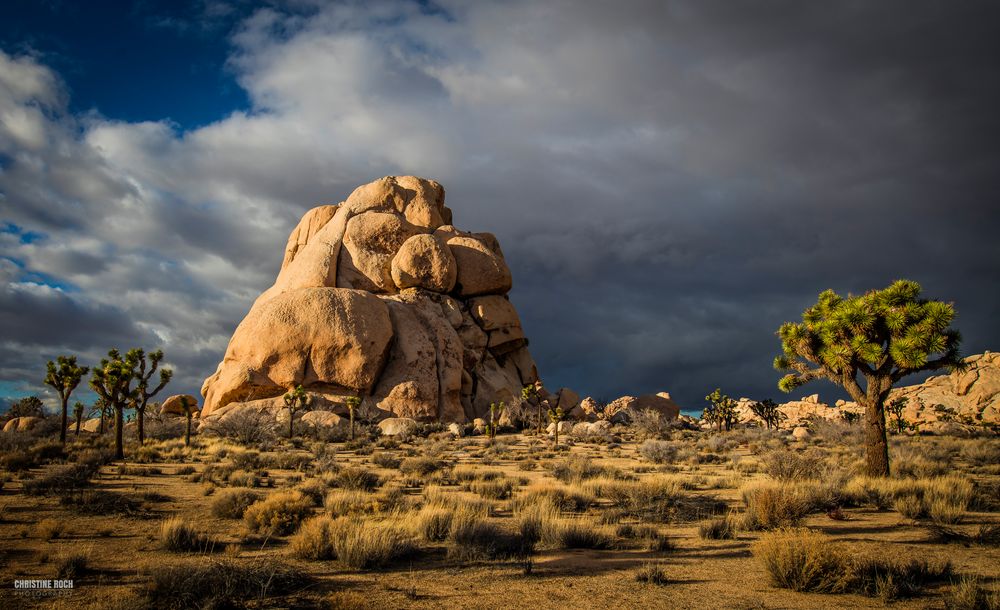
(382, 297)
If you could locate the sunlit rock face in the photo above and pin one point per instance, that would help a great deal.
(382, 297)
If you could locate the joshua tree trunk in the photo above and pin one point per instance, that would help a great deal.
(557, 434)
(102, 422)
(140, 416)
(291, 423)
(78, 418)
(539, 416)
(187, 434)
(62, 431)
(351, 414)
(119, 424)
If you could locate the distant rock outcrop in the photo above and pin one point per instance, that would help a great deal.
(969, 398)
(380, 296)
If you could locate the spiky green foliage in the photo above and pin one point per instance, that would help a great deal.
(353, 402)
(295, 400)
(896, 408)
(721, 410)
(768, 411)
(555, 416)
(529, 393)
(112, 381)
(495, 409)
(142, 390)
(64, 375)
(881, 336)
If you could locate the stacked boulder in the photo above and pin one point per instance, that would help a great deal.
(382, 297)
(960, 402)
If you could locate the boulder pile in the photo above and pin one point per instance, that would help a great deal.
(382, 297)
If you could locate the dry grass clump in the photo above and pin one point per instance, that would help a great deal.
(770, 504)
(340, 502)
(313, 540)
(278, 514)
(178, 536)
(988, 534)
(383, 459)
(789, 465)
(803, 560)
(232, 503)
(577, 468)
(363, 544)
(552, 529)
(970, 594)
(721, 528)
(49, 529)
(72, 565)
(943, 499)
(473, 536)
(658, 452)
(981, 452)
(243, 478)
(432, 523)
(421, 466)
(314, 489)
(100, 502)
(565, 498)
(653, 574)
(494, 489)
(222, 583)
(64, 479)
(357, 479)
(658, 498)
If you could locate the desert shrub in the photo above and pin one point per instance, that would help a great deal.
(18, 461)
(910, 506)
(981, 452)
(357, 479)
(653, 574)
(386, 460)
(721, 528)
(49, 529)
(788, 465)
(313, 540)
(774, 505)
(419, 466)
(232, 503)
(154, 497)
(970, 594)
(221, 583)
(658, 452)
(246, 460)
(247, 427)
(577, 533)
(473, 536)
(656, 498)
(432, 523)
(341, 502)
(179, 536)
(314, 489)
(650, 422)
(949, 497)
(576, 468)
(278, 514)
(243, 478)
(803, 560)
(146, 455)
(359, 543)
(565, 498)
(494, 489)
(100, 502)
(72, 565)
(63, 479)
(288, 461)
(185, 470)
(988, 534)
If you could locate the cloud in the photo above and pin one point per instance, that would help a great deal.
(670, 181)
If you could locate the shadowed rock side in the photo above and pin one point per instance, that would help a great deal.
(380, 296)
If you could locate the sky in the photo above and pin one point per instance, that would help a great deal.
(670, 181)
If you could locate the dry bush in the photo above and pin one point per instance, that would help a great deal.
(178, 536)
(246, 460)
(771, 505)
(363, 544)
(566, 498)
(49, 529)
(944, 499)
(421, 466)
(100, 502)
(493, 490)
(386, 460)
(278, 514)
(357, 479)
(970, 594)
(314, 489)
(788, 465)
(340, 502)
(721, 528)
(232, 503)
(658, 498)
(803, 560)
(64, 479)
(578, 468)
(222, 583)
(72, 565)
(651, 423)
(988, 534)
(247, 427)
(243, 478)
(653, 574)
(313, 540)
(659, 452)
(473, 536)
(981, 452)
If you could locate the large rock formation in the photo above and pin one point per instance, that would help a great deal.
(970, 397)
(380, 296)
(799, 412)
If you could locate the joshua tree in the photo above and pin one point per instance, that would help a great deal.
(102, 410)
(494, 409)
(353, 402)
(556, 416)
(64, 375)
(142, 391)
(295, 400)
(721, 410)
(531, 391)
(112, 381)
(189, 407)
(896, 408)
(78, 409)
(768, 411)
(883, 336)
(29, 406)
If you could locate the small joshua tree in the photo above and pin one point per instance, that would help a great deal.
(142, 391)
(769, 412)
(896, 408)
(295, 400)
(64, 375)
(112, 380)
(78, 409)
(189, 407)
(881, 336)
(353, 402)
(495, 408)
(721, 410)
(555, 416)
(531, 391)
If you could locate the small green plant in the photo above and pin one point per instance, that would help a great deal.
(295, 400)
(556, 416)
(721, 410)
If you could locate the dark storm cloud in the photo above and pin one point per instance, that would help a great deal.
(670, 181)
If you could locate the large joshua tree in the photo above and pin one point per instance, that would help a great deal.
(876, 339)
(64, 375)
(112, 380)
(142, 391)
